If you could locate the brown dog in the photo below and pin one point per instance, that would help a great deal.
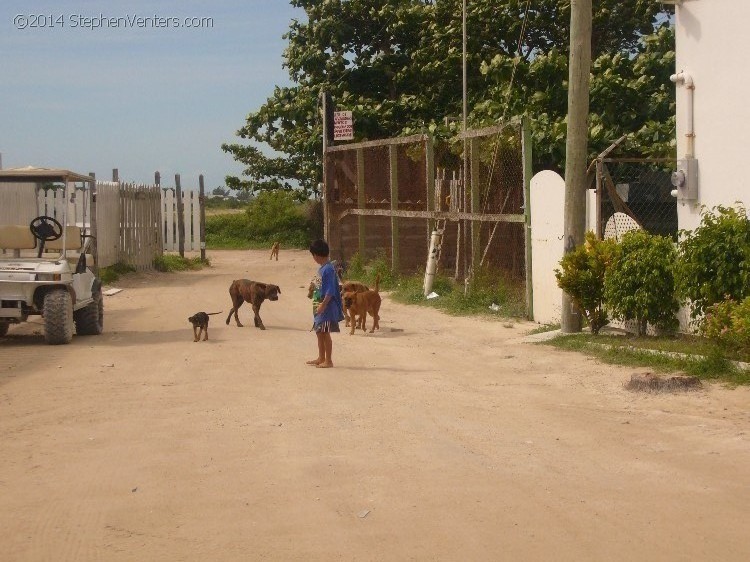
(199, 320)
(254, 292)
(275, 251)
(351, 287)
(360, 304)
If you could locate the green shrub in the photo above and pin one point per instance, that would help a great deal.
(356, 268)
(172, 262)
(112, 273)
(639, 285)
(728, 324)
(581, 276)
(229, 231)
(714, 259)
(277, 215)
(272, 216)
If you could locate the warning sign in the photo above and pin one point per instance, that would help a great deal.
(343, 126)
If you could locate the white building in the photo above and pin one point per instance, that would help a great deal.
(712, 54)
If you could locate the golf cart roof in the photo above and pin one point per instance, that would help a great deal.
(32, 174)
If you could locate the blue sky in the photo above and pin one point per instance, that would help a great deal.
(139, 99)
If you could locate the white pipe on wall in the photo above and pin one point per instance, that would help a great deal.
(683, 78)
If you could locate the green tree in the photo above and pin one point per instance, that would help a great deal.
(397, 65)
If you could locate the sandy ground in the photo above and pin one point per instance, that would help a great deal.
(438, 438)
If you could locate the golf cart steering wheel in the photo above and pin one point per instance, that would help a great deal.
(46, 228)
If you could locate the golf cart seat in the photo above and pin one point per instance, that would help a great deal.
(73, 240)
(73, 244)
(16, 237)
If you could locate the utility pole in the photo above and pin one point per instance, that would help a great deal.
(326, 108)
(463, 233)
(576, 146)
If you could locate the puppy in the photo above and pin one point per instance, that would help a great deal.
(199, 320)
(349, 287)
(253, 292)
(360, 304)
(274, 251)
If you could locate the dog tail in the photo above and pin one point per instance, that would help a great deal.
(212, 313)
(377, 283)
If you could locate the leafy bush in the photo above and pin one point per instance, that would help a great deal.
(639, 285)
(276, 214)
(581, 276)
(356, 268)
(172, 262)
(728, 324)
(714, 259)
(271, 216)
(112, 273)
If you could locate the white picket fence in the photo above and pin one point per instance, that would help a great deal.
(135, 222)
(191, 213)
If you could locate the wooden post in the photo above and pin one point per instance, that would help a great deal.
(180, 217)
(475, 204)
(160, 215)
(459, 227)
(122, 202)
(430, 175)
(393, 160)
(94, 248)
(202, 203)
(599, 225)
(527, 173)
(576, 145)
(115, 175)
(361, 199)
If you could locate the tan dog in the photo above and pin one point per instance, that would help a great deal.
(275, 251)
(351, 287)
(361, 304)
(244, 290)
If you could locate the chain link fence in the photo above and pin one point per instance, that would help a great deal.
(640, 188)
(384, 198)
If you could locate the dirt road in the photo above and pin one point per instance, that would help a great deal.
(438, 438)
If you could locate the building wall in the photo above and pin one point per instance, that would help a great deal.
(712, 46)
(547, 241)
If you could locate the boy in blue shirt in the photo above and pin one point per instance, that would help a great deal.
(330, 311)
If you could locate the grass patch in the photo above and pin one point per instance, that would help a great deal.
(112, 273)
(171, 262)
(544, 328)
(710, 364)
(488, 288)
(508, 300)
(681, 343)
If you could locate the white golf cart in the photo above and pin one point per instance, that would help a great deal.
(47, 264)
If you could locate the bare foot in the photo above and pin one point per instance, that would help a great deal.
(315, 362)
(324, 365)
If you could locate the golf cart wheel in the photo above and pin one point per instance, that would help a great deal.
(90, 319)
(58, 317)
(3, 328)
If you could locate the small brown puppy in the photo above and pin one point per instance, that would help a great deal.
(274, 251)
(349, 287)
(253, 292)
(199, 320)
(360, 304)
